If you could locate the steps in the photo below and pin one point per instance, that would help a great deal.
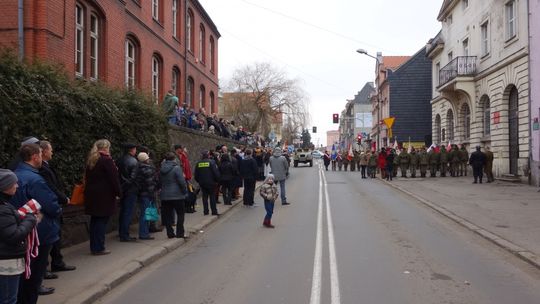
(512, 178)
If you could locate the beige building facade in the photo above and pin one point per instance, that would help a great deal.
(481, 80)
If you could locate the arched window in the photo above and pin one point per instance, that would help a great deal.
(131, 62)
(450, 125)
(190, 31)
(202, 44)
(466, 123)
(189, 92)
(202, 97)
(438, 137)
(175, 80)
(156, 76)
(212, 103)
(212, 55)
(486, 115)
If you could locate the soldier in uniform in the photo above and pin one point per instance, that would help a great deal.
(488, 169)
(423, 160)
(372, 164)
(395, 164)
(464, 158)
(404, 161)
(353, 161)
(413, 164)
(434, 159)
(339, 161)
(345, 159)
(443, 161)
(455, 161)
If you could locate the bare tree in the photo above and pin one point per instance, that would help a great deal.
(263, 92)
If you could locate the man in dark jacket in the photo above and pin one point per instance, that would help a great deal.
(207, 175)
(33, 186)
(477, 161)
(248, 171)
(50, 176)
(146, 179)
(126, 168)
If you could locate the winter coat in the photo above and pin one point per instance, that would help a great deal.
(443, 156)
(364, 158)
(101, 188)
(390, 160)
(372, 162)
(33, 186)
(51, 178)
(13, 230)
(172, 183)
(127, 164)
(478, 159)
(207, 173)
(248, 168)
(146, 179)
(381, 161)
(489, 161)
(404, 158)
(463, 155)
(269, 192)
(326, 159)
(415, 159)
(227, 171)
(424, 158)
(434, 158)
(279, 165)
(454, 155)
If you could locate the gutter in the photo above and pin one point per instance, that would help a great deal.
(20, 35)
(529, 161)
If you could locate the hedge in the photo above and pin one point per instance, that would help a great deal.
(40, 100)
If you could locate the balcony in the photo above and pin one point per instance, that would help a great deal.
(463, 66)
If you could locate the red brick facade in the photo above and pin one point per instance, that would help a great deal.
(104, 27)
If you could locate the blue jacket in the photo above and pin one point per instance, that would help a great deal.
(33, 186)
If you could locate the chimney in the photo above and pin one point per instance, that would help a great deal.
(380, 57)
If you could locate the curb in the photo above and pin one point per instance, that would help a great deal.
(94, 293)
(516, 250)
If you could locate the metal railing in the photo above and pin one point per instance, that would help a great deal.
(459, 66)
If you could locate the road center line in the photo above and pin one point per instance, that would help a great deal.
(317, 262)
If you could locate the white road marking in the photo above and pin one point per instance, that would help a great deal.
(317, 262)
(334, 276)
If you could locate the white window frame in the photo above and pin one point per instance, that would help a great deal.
(212, 54)
(155, 77)
(189, 31)
(511, 19)
(202, 92)
(130, 64)
(484, 38)
(94, 47)
(155, 9)
(174, 17)
(79, 40)
(201, 43)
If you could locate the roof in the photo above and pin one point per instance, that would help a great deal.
(446, 7)
(393, 62)
(363, 97)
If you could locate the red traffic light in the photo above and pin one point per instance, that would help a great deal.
(335, 118)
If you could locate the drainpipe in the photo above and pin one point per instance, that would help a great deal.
(21, 29)
(530, 82)
(186, 53)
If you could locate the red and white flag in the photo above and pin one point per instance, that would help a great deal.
(350, 153)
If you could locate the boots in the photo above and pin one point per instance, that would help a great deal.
(268, 224)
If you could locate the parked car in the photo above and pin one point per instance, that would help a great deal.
(317, 154)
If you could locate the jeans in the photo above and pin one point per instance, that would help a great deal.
(126, 213)
(57, 259)
(249, 191)
(167, 217)
(28, 289)
(209, 192)
(282, 191)
(144, 225)
(98, 227)
(9, 286)
(269, 207)
(227, 188)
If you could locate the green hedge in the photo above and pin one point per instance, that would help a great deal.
(40, 100)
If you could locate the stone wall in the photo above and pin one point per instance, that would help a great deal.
(75, 226)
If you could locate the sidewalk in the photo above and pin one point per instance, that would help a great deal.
(97, 275)
(504, 213)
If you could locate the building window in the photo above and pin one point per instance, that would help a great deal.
(175, 78)
(450, 125)
(466, 121)
(94, 46)
(190, 31)
(79, 40)
(465, 4)
(156, 69)
(465, 44)
(212, 103)
(155, 9)
(449, 19)
(484, 31)
(437, 73)
(202, 99)
(202, 45)
(443, 135)
(175, 18)
(438, 137)
(189, 92)
(212, 55)
(131, 55)
(486, 113)
(450, 56)
(510, 19)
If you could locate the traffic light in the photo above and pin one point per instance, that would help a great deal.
(314, 129)
(359, 138)
(335, 118)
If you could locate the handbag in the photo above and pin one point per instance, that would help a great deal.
(151, 213)
(77, 196)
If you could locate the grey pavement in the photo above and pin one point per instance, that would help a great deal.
(97, 275)
(502, 212)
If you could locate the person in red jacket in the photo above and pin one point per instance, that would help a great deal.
(181, 153)
(381, 162)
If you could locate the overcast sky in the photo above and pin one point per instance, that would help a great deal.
(316, 41)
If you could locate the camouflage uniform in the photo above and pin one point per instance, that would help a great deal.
(464, 158)
(372, 165)
(404, 161)
(434, 158)
(423, 160)
(443, 161)
(413, 165)
(488, 168)
(339, 160)
(344, 156)
(455, 161)
(396, 163)
(354, 161)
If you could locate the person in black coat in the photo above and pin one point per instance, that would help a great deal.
(146, 179)
(14, 229)
(477, 161)
(127, 165)
(390, 164)
(207, 175)
(249, 171)
(237, 180)
(227, 172)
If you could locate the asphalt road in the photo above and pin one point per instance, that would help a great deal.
(342, 240)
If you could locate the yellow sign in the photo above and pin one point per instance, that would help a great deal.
(389, 122)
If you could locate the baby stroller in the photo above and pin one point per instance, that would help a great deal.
(191, 199)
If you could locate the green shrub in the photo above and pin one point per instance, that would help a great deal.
(40, 100)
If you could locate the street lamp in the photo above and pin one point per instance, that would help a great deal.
(364, 52)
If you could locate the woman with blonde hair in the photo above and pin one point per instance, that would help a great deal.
(102, 188)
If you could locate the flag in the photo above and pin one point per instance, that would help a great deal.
(431, 148)
(449, 147)
(409, 149)
(395, 143)
(334, 152)
(350, 154)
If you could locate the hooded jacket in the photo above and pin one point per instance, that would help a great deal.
(173, 184)
(13, 230)
(279, 165)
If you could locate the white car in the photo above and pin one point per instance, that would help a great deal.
(317, 154)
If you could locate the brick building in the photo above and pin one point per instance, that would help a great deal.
(151, 46)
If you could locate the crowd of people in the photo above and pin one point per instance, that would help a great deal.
(185, 116)
(449, 160)
(32, 200)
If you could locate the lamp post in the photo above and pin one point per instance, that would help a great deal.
(378, 129)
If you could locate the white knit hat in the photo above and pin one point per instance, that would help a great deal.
(142, 157)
